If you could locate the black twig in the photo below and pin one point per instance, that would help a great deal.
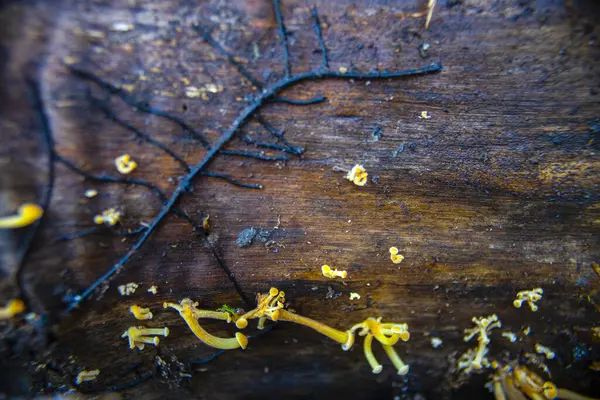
(46, 132)
(284, 40)
(112, 116)
(274, 146)
(279, 135)
(247, 113)
(111, 179)
(128, 385)
(229, 274)
(319, 33)
(100, 231)
(256, 156)
(314, 100)
(206, 36)
(88, 76)
(232, 180)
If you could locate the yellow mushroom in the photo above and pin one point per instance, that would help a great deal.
(140, 312)
(190, 314)
(125, 164)
(333, 273)
(269, 306)
(139, 336)
(26, 215)
(530, 296)
(396, 258)
(86, 376)
(108, 217)
(375, 366)
(14, 307)
(357, 175)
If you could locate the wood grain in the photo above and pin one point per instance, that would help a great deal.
(496, 193)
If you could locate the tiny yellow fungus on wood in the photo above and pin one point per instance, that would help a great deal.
(354, 296)
(436, 342)
(343, 70)
(108, 217)
(395, 257)
(139, 336)
(192, 92)
(530, 296)
(211, 87)
(153, 289)
(91, 193)
(14, 307)
(547, 351)
(86, 376)
(596, 268)
(425, 115)
(333, 273)
(128, 289)
(375, 366)
(357, 175)
(206, 223)
(190, 313)
(430, 7)
(596, 331)
(26, 215)
(140, 312)
(510, 336)
(268, 305)
(125, 164)
(474, 358)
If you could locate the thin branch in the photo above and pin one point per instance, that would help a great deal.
(231, 180)
(274, 146)
(206, 36)
(319, 33)
(284, 39)
(314, 100)
(88, 76)
(112, 116)
(279, 135)
(246, 114)
(256, 156)
(46, 133)
(110, 179)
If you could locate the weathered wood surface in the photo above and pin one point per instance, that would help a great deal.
(496, 193)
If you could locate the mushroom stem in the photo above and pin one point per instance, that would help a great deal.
(375, 366)
(14, 307)
(27, 214)
(332, 333)
(401, 367)
(189, 316)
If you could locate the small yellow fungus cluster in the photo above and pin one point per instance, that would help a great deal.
(396, 258)
(510, 336)
(125, 164)
(354, 296)
(515, 382)
(127, 289)
(357, 175)
(270, 306)
(140, 312)
(14, 307)
(26, 215)
(139, 336)
(530, 296)
(108, 217)
(153, 289)
(91, 193)
(190, 313)
(86, 376)
(475, 358)
(547, 351)
(333, 273)
(424, 115)
(343, 70)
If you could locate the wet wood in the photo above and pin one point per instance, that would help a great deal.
(497, 192)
